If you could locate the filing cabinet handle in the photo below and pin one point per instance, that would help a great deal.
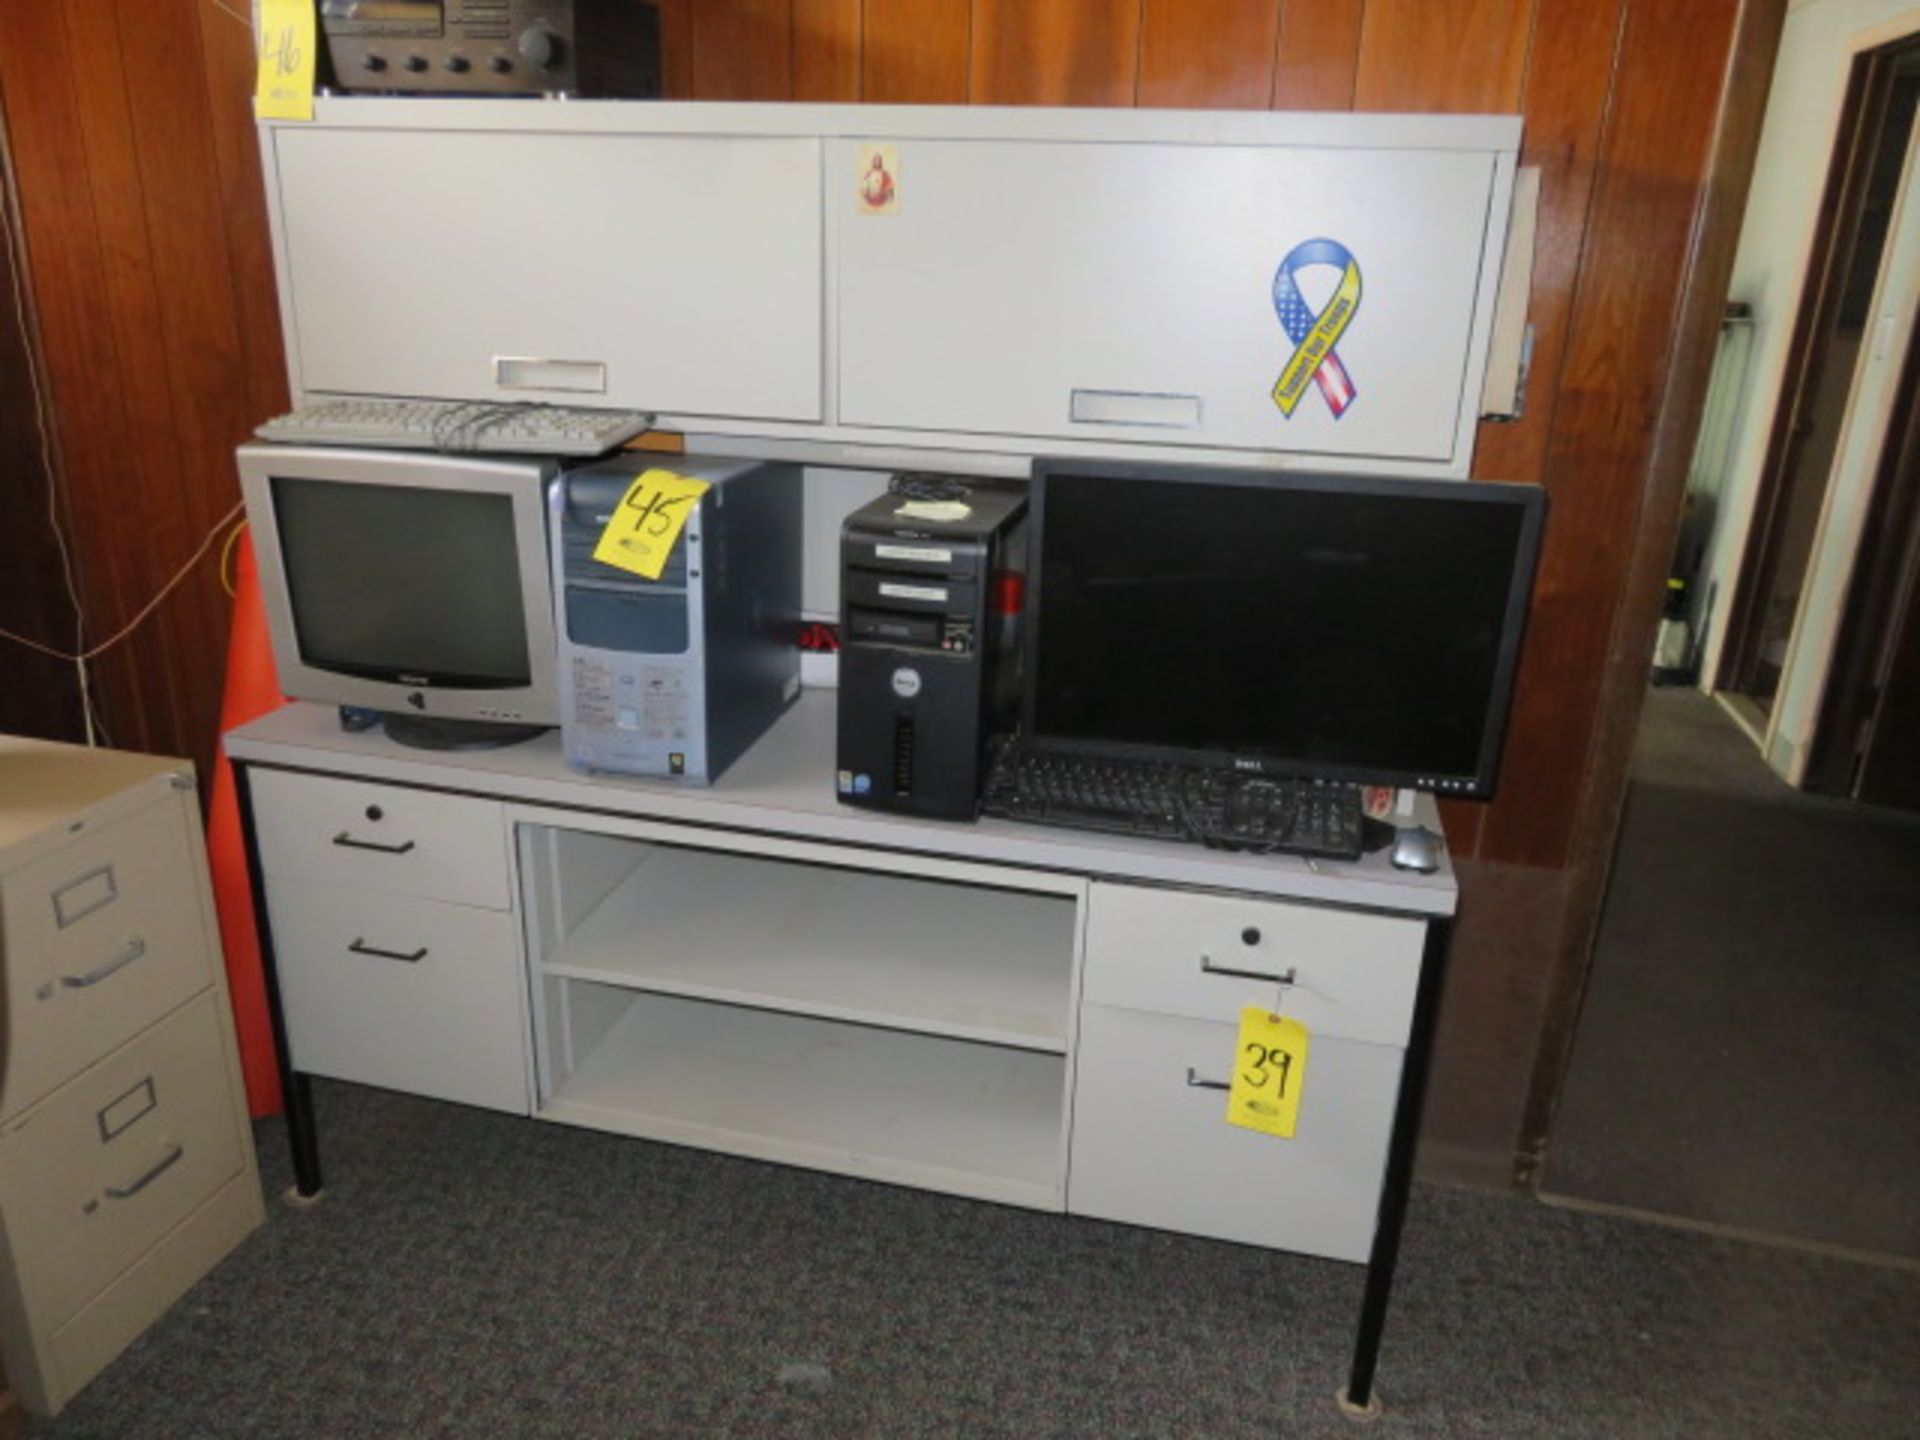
(136, 947)
(1197, 1083)
(346, 839)
(360, 947)
(1285, 977)
(167, 1162)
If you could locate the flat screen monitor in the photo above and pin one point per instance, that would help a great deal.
(1340, 627)
(414, 584)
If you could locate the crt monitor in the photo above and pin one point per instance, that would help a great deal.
(411, 583)
(1338, 627)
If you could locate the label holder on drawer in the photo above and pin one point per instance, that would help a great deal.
(83, 895)
(127, 1108)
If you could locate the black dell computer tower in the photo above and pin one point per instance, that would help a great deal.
(925, 662)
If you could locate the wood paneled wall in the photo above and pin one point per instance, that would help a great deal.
(132, 142)
(140, 186)
(38, 695)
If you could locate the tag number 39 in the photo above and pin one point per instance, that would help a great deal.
(1265, 1058)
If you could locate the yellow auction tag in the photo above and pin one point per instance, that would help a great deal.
(285, 87)
(646, 524)
(1270, 1069)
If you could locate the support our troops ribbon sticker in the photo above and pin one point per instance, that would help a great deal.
(1314, 334)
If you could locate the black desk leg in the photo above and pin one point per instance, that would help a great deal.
(295, 1090)
(1357, 1398)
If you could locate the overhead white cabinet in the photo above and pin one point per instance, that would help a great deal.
(1128, 292)
(1032, 281)
(601, 269)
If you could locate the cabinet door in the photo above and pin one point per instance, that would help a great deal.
(1152, 1146)
(672, 273)
(414, 995)
(1127, 292)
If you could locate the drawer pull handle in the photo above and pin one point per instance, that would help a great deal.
(167, 1162)
(344, 838)
(1285, 977)
(136, 947)
(1197, 1083)
(360, 947)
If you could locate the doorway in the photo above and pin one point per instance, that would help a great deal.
(1742, 1060)
(1836, 330)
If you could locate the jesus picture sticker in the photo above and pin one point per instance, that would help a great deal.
(877, 180)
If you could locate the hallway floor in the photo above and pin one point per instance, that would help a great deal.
(1746, 1055)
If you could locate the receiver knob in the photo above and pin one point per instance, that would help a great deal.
(538, 48)
(416, 63)
(500, 64)
(458, 64)
(375, 63)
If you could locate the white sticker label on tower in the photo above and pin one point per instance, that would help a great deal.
(936, 593)
(923, 553)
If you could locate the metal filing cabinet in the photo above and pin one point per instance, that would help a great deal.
(126, 1158)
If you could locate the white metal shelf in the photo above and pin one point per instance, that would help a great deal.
(911, 1109)
(994, 966)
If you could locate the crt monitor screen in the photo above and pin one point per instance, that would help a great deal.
(404, 584)
(1358, 629)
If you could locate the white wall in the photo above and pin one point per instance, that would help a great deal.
(1776, 239)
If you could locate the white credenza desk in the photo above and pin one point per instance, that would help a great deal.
(1033, 1016)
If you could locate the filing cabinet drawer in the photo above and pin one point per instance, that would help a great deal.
(1340, 973)
(99, 938)
(106, 1166)
(382, 837)
(414, 995)
(1151, 1144)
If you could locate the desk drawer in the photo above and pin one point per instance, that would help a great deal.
(382, 837)
(414, 995)
(1174, 952)
(95, 1176)
(1151, 1148)
(99, 939)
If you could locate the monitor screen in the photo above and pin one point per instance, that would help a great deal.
(411, 585)
(1351, 628)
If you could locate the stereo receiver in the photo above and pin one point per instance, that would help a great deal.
(596, 49)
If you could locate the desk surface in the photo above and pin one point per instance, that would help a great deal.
(784, 786)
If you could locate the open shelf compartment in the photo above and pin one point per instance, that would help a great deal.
(965, 1118)
(958, 960)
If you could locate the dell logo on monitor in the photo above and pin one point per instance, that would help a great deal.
(1254, 765)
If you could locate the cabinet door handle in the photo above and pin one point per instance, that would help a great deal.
(1285, 977)
(346, 839)
(360, 947)
(136, 947)
(1197, 1083)
(167, 1162)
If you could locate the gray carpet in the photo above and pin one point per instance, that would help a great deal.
(1746, 1054)
(474, 1274)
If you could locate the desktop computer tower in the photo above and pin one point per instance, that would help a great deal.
(925, 662)
(677, 676)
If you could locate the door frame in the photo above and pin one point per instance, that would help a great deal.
(1837, 226)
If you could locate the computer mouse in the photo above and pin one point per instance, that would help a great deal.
(1416, 848)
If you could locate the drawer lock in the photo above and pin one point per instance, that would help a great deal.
(1285, 977)
(136, 947)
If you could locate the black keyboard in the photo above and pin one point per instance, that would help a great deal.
(1221, 808)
